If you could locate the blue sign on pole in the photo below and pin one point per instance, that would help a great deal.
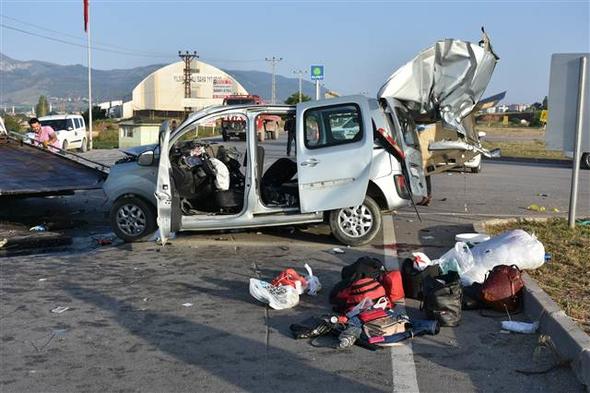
(317, 72)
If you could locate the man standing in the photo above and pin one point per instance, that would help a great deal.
(44, 135)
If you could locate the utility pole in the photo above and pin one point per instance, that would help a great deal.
(300, 73)
(187, 58)
(273, 61)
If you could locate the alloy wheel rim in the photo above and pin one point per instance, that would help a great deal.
(131, 219)
(355, 221)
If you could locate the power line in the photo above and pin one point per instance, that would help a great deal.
(74, 43)
(104, 44)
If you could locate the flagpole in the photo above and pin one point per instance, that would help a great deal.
(89, 82)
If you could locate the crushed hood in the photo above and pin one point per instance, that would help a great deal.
(444, 81)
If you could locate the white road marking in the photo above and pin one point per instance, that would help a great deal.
(402, 356)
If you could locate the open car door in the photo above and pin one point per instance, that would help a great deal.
(334, 152)
(164, 185)
(442, 86)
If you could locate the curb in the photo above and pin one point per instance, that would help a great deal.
(571, 343)
(552, 161)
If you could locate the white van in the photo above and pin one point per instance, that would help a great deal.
(70, 130)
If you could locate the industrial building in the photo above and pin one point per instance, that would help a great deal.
(162, 93)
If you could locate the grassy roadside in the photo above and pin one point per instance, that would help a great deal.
(566, 278)
(530, 143)
(528, 149)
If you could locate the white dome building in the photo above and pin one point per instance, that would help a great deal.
(162, 92)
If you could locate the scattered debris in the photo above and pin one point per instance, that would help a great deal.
(535, 207)
(42, 279)
(520, 327)
(555, 210)
(259, 233)
(543, 195)
(284, 248)
(103, 242)
(221, 238)
(38, 228)
(337, 250)
(427, 237)
(3, 242)
(59, 309)
(443, 199)
(186, 304)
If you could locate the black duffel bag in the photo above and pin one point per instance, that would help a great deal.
(413, 279)
(442, 298)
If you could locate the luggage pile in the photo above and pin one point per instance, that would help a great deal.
(467, 277)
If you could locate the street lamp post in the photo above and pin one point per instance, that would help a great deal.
(300, 74)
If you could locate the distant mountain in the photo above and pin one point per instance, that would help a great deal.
(22, 82)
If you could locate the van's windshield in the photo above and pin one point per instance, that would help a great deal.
(57, 124)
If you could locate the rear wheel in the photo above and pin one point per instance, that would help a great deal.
(65, 145)
(132, 218)
(357, 225)
(83, 146)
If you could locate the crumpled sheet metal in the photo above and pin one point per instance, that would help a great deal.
(449, 77)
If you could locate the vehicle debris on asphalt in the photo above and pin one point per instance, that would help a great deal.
(59, 309)
(38, 228)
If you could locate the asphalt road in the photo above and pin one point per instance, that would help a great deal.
(127, 329)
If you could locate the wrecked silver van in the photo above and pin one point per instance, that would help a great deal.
(355, 156)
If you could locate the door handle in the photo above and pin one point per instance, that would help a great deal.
(311, 162)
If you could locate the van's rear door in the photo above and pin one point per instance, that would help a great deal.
(444, 83)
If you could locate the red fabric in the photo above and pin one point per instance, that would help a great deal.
(289, 277)
(356, 292)
(371, 315)
(394, 288)
(85, 15)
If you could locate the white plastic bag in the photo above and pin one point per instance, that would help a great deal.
(514, 247)
(420, 261)
(278, 297)
(313, 282)
(458, 258)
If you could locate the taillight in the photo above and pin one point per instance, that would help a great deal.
(401, 186)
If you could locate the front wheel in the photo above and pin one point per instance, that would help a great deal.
(65, 146)
(132, 218)
(357, 225)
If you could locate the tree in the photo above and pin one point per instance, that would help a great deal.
(97, 114)
(12, 123)
(294, 98)
(42, 107)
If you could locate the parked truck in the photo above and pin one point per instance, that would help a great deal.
(266, 127)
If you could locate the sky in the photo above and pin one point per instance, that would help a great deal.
(360, 43)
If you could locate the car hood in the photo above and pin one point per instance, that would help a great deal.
(444, 81)
(137, 150)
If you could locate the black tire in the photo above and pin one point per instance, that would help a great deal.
(84, 146)
(344, 230)
(585, 161)
(132, 228)
(65, 145)
(477, 169)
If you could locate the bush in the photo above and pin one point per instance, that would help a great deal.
(106, 139)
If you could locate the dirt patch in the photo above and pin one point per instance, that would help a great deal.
(566, 278)
(498, 131)
(529, 149)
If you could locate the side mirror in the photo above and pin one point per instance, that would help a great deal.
(495, 153)
(146, 158)
(481, 134)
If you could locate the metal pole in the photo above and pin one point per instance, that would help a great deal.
(89, 83)
(300, 78)
(578, 144)
(317, 89)
(273, 61)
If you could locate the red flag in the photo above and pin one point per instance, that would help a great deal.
(85, 15)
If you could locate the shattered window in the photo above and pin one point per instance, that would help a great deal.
(408, 127)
